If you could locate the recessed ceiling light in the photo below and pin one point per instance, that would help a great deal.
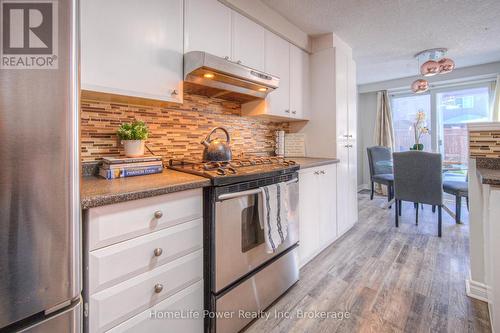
(208, 75)
(262, 89)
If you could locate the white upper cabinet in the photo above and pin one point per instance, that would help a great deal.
(277, 62)
(207, 27)
(248, 42)
(299, 83)
(129, 54)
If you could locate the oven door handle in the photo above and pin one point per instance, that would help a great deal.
(227, 196)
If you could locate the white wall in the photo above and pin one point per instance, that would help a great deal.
(367, 112)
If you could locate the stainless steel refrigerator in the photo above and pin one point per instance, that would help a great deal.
(40, 256)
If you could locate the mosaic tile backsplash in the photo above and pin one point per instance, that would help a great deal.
(484, 144)
(176, 129)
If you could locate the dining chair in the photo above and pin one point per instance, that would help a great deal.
(459, 189)
(380, 163)
(418, 178)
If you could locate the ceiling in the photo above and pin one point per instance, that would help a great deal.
(385, 34)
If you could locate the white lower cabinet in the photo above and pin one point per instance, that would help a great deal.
(161, 317)
(317, 207)
(135, 274)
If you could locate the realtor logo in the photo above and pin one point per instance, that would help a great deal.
(28, 34)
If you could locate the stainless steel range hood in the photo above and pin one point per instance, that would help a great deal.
(209, 75)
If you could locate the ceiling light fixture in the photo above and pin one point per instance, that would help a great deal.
(433, 62)
(208, 75)
(420, 86)
(262, 89)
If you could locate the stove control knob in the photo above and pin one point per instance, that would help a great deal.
(158, 214)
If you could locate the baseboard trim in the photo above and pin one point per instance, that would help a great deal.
(476, 290)
(363, 187)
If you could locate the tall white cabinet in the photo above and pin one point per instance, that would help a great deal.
(331, 130)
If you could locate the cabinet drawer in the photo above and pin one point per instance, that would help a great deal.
(114, 305)
(155, 319)
(119, 262)
(115, 223)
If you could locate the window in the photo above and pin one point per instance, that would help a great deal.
(447, 110)
(404, 111)
(456, 108)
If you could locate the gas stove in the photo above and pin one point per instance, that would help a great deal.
(239, 170)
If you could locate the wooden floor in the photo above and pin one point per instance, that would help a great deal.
(388, 279)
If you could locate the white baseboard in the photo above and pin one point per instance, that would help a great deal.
(363, 187)
(476, 290)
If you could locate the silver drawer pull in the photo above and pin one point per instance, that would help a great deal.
(158, 288)
(158, 214)
(316, 172)
(158, 252)
(322, 172)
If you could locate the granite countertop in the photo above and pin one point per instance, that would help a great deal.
(311, 162)
(488, 170)
(95, 191)
(489, 176)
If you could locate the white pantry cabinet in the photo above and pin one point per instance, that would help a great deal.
(317, 209)
(331, 129)
(143, 256)
(207, 27)
(129, 54)
(248, 42)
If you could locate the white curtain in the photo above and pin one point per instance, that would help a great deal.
(495, 105)
(384, 132)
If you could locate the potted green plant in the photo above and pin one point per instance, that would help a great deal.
(419, 129)
(133, 136)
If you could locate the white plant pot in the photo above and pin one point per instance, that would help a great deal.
(133, 148)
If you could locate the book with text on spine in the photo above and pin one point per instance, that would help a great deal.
(132, 165)
(129, 172)
(120, 160)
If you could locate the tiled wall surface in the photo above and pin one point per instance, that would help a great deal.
(484, 144)
(176, 130)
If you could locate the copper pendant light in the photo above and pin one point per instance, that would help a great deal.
(419, 86)
(446, 65)
(433, 62)
(430, 68)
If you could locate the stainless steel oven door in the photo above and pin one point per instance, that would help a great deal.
(239, 239)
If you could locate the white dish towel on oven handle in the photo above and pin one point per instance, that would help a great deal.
(274, 215)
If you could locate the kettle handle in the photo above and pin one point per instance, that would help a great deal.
(207, 139)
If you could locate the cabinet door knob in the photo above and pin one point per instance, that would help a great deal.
(287, 111)
(238, 62)
(294, 112)
(158, 252)
(158, 288)
(158, 214)
(226, 57)
(316, 172)
(322, 172)
(174, 92)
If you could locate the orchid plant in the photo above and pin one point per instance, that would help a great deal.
(419, 127)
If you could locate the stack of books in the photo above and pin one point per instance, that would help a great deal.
(113, 167)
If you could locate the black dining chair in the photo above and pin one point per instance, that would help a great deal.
(380, 163)
(459, 189)
(418, 178)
